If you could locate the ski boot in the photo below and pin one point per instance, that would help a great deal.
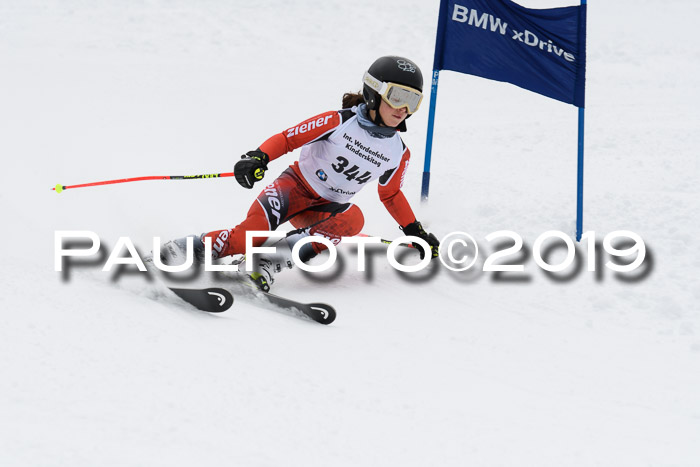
(267, 265)
(175, 251)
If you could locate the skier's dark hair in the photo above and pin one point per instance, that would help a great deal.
(351, 99)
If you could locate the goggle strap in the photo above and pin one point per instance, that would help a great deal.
(374, 83)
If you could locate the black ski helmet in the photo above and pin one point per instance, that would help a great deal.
(392, 69)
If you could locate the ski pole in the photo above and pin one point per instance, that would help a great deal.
(388, 242)
(59, 188)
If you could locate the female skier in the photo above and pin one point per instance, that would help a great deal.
(341, 152)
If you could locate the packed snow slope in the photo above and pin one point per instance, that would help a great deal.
(438, 368)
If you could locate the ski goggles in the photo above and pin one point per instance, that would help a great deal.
(396, 95)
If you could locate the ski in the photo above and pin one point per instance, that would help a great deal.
(212, 300)
(319, 312)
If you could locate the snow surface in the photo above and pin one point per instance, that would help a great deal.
(457, 369)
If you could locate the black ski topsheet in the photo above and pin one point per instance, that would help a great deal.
(319, 312)
(212, 300)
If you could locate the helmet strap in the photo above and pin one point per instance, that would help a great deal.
(377, 119)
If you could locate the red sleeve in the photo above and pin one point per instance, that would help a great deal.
(391, 195)
(306, 132)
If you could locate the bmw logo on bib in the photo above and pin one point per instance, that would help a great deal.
(321, 175)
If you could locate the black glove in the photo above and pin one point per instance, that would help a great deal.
(251, 168)
(414, 229)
